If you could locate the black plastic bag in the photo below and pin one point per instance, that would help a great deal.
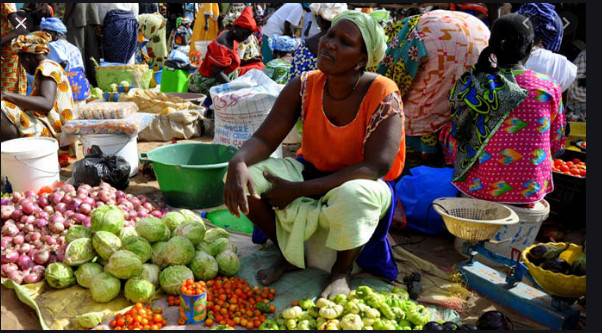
(174, 64)
(97, 167)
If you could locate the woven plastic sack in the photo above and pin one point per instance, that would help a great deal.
(416, 193)
(241, 106)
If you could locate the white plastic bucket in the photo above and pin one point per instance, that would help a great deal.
(30, 163)
(519, 236)
(115, 144)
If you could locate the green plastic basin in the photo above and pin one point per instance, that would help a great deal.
(190, 175)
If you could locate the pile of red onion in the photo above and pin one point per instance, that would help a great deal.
(34, 227)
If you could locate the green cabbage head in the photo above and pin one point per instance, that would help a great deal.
(107, 218)
(139, 246)
(150, 272)
(152, 229)
(228, 263)
(79, 251)
(106, 243)
(139, 290)
(204, 266)
(59, 275)
(172, 277)
(104, 287)
(178, 251)
(124, 264)
(77, 231)
(127, 233)
(86, 272)
(173, 219)
(193, 230)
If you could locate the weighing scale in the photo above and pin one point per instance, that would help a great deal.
(508, 289)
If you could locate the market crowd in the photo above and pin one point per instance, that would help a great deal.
(389, 89)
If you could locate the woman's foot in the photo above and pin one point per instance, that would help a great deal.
(337, 284)
(271, 274)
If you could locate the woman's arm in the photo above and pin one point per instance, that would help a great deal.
(265, 140)
(12, 17)
(219, 74)
(41, 103)
(380, 152)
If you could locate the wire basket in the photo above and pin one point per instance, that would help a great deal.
(473, 220)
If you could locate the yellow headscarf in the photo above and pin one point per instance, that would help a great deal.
(373, 34)
(36, 43)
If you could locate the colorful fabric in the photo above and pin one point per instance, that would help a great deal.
(345, 218)
(477, 7)
(48, 124)
(546, 22)
(480, 103)
(372, 33)
(453, 42)
(232, 13)
(53, 24)
(119, 36)
(35, 43)
(221, 56)
(576, 101)
(152, 27)
(327, 10)
(201, 84)
(13, 76)
(249, 49)
(303, 61)
(404, 53)
(283, 43)
(350, 138)
(245, 20)
(79, 84)
(199, 33)
(515, 166)
(63, 51)
(181, 36)
(278, 70)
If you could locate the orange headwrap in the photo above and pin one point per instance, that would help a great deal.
(246, 20)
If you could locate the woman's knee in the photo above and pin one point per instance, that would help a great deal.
(9, 130)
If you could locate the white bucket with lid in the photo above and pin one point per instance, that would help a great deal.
(115, 144)
(30, 163)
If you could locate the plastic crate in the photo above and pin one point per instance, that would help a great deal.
(567, 201)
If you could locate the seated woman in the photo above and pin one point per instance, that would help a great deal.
(338, 198)
(68, 56)
(50, 104)
(426, 54)
(305, 57)
(508, 121)
(222, 62)
(282, 49)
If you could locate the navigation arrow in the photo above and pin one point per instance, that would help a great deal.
(565, 21)
(525, 23)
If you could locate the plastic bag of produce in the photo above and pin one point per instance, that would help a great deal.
(97, 167)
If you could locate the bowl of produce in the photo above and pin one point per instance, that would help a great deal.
(190, 175)
(558, 268)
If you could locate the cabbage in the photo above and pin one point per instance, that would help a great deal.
(152, 229)
(127, 233)
(59, 275)
(104, 287)
(203, 266)
(141, 247)
(173, 219)
(150, 272)
(157, 257)
(79, 251)
(124, 264)
(172, 277)
(77, 231)
(107, 218)
(90, 319)
(204, 246)
(178, 251)
(219, 245)
(215, 233)
(139, 290)
(193, 230)
(228, 263)
(190, 215)
(106, 243)
(86, 272)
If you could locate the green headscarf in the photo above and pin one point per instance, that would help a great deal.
(373, 34)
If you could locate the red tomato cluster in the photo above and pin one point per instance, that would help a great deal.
(139, 317)
(173, 300)
(231, 301)
(574, 168)
(191, 288)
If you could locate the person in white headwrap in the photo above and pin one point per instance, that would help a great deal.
(305, 57)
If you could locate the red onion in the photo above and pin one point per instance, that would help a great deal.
(74, 204)
(30, 193)
(148, 206)
(6, 241)
(6, 211)
(52, 258)
(9, 255)
(99, 204)
(110, 202)
(17, 196)
(119, 195)
(29, 219)
(55, 198)
(20, 225)
(32, 277)
(68, 188)
(43, 201)
(51, 240)
(82, 195)
(36, 210)
(25, 248)
(4, 201)
(25, 262)
(89, 201)
(18, 239)
(57, 227)
(61, 207)
(85, 187)
(56, 218)
(16, 276)
(60, 255)
(27, 207)
(42, 223)
(43, 215)
(156, 213)
(79, 217)
(67, 224)
(28, 228)
(49, 209)
(17, 213)
(35, 236)
(38, 269)
(68, 214)
(7, 268)
(85, 208)
(86, 222)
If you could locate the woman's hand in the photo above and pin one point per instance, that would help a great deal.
(238, 179)
(283, 192)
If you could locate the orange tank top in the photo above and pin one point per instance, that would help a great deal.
(329, 147)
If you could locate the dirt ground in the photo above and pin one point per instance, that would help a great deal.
(438, 249)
